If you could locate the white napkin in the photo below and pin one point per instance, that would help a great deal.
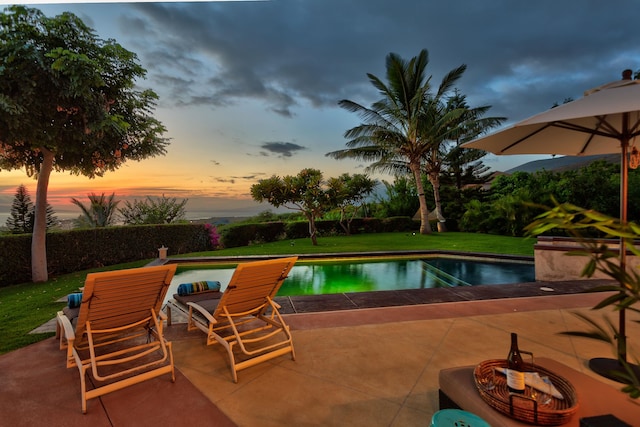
(533, 379)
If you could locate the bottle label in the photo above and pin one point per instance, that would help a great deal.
(515, 379)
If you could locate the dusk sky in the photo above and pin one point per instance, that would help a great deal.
(251, 89)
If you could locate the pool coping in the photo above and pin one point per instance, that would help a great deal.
(407, 297)
(345, 255)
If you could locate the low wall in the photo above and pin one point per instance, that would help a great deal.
(553, 264)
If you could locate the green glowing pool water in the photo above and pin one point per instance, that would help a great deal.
(331, 277)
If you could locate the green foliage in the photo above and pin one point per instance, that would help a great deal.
(400, 199)
(412, 127)
(246, 234)
(390, 133)
(304, 192)
(507, 215)
(65, 89)
(101, 211)
(162, 210)
(575, 221)
(80, 249)
(68, 102)
(514, 200)
(348, 193)
(251, 234)
(454, 202)
(464, 166)
(447, 122)
(22, 214)
(388, 242)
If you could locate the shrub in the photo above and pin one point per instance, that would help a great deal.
(238, 235)
(81, 249)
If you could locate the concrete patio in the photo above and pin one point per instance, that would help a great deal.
(363, 367)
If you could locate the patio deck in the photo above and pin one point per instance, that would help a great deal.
(358, 367)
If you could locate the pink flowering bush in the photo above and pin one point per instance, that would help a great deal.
(214, 236)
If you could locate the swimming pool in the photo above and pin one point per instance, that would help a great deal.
(340, 276)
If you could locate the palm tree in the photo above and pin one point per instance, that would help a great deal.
(100, 212)
(391, 133)
(447, 122)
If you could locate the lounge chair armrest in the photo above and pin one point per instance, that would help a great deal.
(162, 315)
(202, 311)
(65, 323)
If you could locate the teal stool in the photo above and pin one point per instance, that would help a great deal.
(457, 418)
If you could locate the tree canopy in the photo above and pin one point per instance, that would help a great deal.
(304, 192)
(100, 212)
(389, 134)
(69, 103)
(348, 193)
(161, 210)
(407, 130)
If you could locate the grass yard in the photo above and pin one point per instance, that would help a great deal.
(465, 242)
(26, 306)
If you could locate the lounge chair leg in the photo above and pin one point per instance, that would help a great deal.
(83, 390)
(234, 374)
(173, 368)
(168, 310)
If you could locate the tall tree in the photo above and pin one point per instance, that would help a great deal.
(390, 136)
(448, 122)
(68, 103)
(464, 166)
(101, 211)
(21, 214)
(23, 211)
(304, 192)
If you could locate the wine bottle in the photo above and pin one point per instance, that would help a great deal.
(515, 367)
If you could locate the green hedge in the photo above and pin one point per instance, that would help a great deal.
(75, 250)
(234, 236)
(244, 234)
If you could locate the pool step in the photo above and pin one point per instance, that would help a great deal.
(442, 278)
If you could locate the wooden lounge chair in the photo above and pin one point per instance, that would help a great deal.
(246, 316)
(118, 332)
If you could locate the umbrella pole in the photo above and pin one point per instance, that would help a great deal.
(624, 180)
(604, 366)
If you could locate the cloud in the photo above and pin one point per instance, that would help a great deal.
(236, 179)
(288, 54)
(291, 54)
(281, 149)
(225, 180)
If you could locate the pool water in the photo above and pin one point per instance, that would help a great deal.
(320, 278)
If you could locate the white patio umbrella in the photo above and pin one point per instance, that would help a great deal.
(606, 120)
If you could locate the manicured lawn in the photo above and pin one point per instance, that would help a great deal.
(466, 242)
(26, 306)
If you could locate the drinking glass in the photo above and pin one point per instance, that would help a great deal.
(545, 397)
(489, 381)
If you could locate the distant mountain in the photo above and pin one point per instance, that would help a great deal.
(564, 163)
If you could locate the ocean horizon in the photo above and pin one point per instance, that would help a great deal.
(190, 216)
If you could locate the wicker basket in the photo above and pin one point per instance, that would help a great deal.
(523, 407)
